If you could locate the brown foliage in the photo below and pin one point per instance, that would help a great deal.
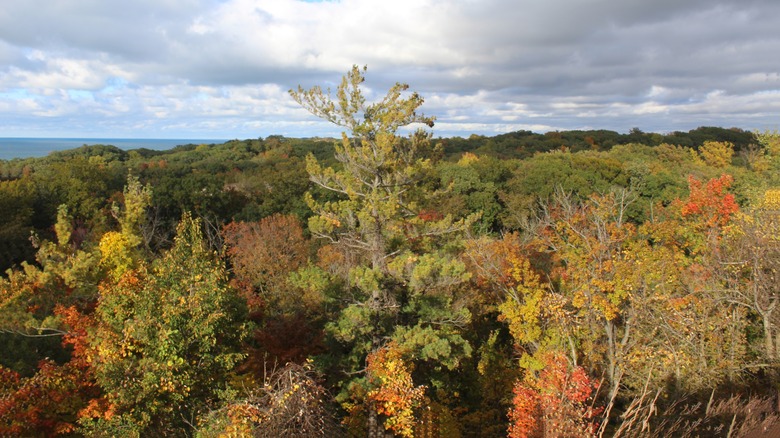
(285, 338)
(291, 402)
(263, 254)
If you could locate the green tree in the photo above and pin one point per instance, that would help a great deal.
(83, 184)
(472, 186)
(17, 204)
(167, 337)
(64, 274)
(536, 179)
(404, 282)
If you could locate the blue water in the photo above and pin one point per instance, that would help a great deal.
(39, 147)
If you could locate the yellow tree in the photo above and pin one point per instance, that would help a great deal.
(40, 308)
(608, 283)
(699, 333)
(716, 153)
(393, 393)
(590, 243)
(751, 266)
(121, 250)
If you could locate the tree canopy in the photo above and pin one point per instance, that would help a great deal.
(390, 283)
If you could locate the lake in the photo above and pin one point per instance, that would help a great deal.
(11, 148)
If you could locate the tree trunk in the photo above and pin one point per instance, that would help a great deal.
(769, 340)
(611, 360)
(373, 423)
(375, 426)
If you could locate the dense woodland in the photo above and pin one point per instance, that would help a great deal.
(389, 283)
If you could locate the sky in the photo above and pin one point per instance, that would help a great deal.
(222, 69)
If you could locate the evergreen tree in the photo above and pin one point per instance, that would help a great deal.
(402, 285)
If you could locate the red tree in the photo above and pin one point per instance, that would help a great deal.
(553, 402)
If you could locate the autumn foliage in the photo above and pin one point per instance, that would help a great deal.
(390, 284)
(45, 403)
(392, 392)
(710, 201)
(554, 402)
(263, 254)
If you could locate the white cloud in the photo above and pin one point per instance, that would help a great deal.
(224, 66)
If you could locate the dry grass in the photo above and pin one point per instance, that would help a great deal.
(731, 417)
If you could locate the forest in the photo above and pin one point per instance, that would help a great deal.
(393, 284)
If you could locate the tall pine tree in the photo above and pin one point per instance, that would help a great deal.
(403, 284)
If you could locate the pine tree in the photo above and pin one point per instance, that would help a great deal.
(404, 280)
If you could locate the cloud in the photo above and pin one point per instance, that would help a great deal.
(186, 67)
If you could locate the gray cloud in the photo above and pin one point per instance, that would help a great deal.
(222, 67)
